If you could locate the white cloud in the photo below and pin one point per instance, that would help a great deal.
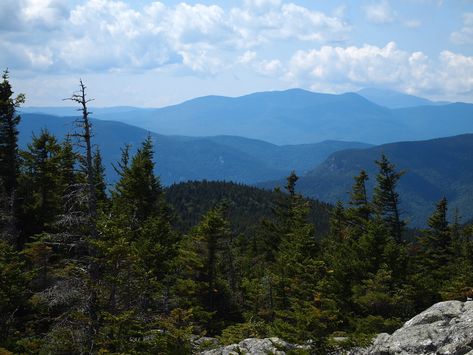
(196, 39)
(379, 12)
(247, 57)
(114, 35)
(272, 67)
(288, 21)
(465, 35)
(339, 69)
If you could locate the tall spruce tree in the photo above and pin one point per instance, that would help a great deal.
(9, 167)
(386, 198)
(99, 178)
(41, 184)
(360, 208)
(139, 191)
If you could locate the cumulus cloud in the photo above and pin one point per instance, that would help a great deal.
(96, 36)
(465, 34)
(379, 12)
(24, 15)
(113, 35)
(340, 69)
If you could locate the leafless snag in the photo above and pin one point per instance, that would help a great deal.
(84, 135)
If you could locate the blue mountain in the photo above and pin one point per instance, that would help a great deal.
(181, 158)
(297, 116)
(395, 99)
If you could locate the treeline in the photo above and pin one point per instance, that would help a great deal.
(83, 270)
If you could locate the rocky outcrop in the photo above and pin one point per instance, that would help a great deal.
(254, 346)
(445, 328)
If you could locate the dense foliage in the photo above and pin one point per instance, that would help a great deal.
(143, 270)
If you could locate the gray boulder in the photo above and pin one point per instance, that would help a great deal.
(254, 346)
(445, 328)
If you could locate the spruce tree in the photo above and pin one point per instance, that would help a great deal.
(360, 208)
(40, 184)
(9, 167)
(138, 192)
(99, 178)
(386, 198)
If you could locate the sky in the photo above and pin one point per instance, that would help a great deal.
(156, 53)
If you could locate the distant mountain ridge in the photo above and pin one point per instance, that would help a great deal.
(394, 99)
(298, 116)
(433, 169)
(180, 158)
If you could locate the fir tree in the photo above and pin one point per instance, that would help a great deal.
(9, 167)
(40, 184)
(386, 198)
(138, 191)
(99, 178)
(360, 208)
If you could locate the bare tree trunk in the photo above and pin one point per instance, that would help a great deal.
(85, 135)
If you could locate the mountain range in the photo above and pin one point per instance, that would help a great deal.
(297, 116)
(181, 158)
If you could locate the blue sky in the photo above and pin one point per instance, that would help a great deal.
(151, 53)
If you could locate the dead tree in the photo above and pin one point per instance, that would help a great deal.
(84, 137)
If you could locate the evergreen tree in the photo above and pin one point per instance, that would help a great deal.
(211, 240)
(99, 178)
(9, 167)
(40, 184)
(360, 208)
(435, 257)
(302, 310)
(138, 192)
(386, 198)
(14, 294)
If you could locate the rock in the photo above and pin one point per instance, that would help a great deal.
(254, 346)
(446, 328)
(199, 343)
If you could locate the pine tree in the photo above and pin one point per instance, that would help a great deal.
(40, 184)
(14, 294)
(138, 192)
(99, 178)
(9, 167)
(435, 257)
(360, 208)
(386, 199)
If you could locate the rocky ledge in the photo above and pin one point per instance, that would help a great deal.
(445, 328)
(256, 346)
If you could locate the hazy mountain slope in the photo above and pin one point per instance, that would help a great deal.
(297, 116)
(188, 158)
(434, 168)
(66, 111)
(299, 157)
(287, 117)
(394, 99)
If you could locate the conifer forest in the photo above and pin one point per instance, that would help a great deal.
(138, 268)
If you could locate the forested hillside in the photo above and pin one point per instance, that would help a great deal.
(245, 206)
(182, 158)
(432, 169)
(148, 270)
